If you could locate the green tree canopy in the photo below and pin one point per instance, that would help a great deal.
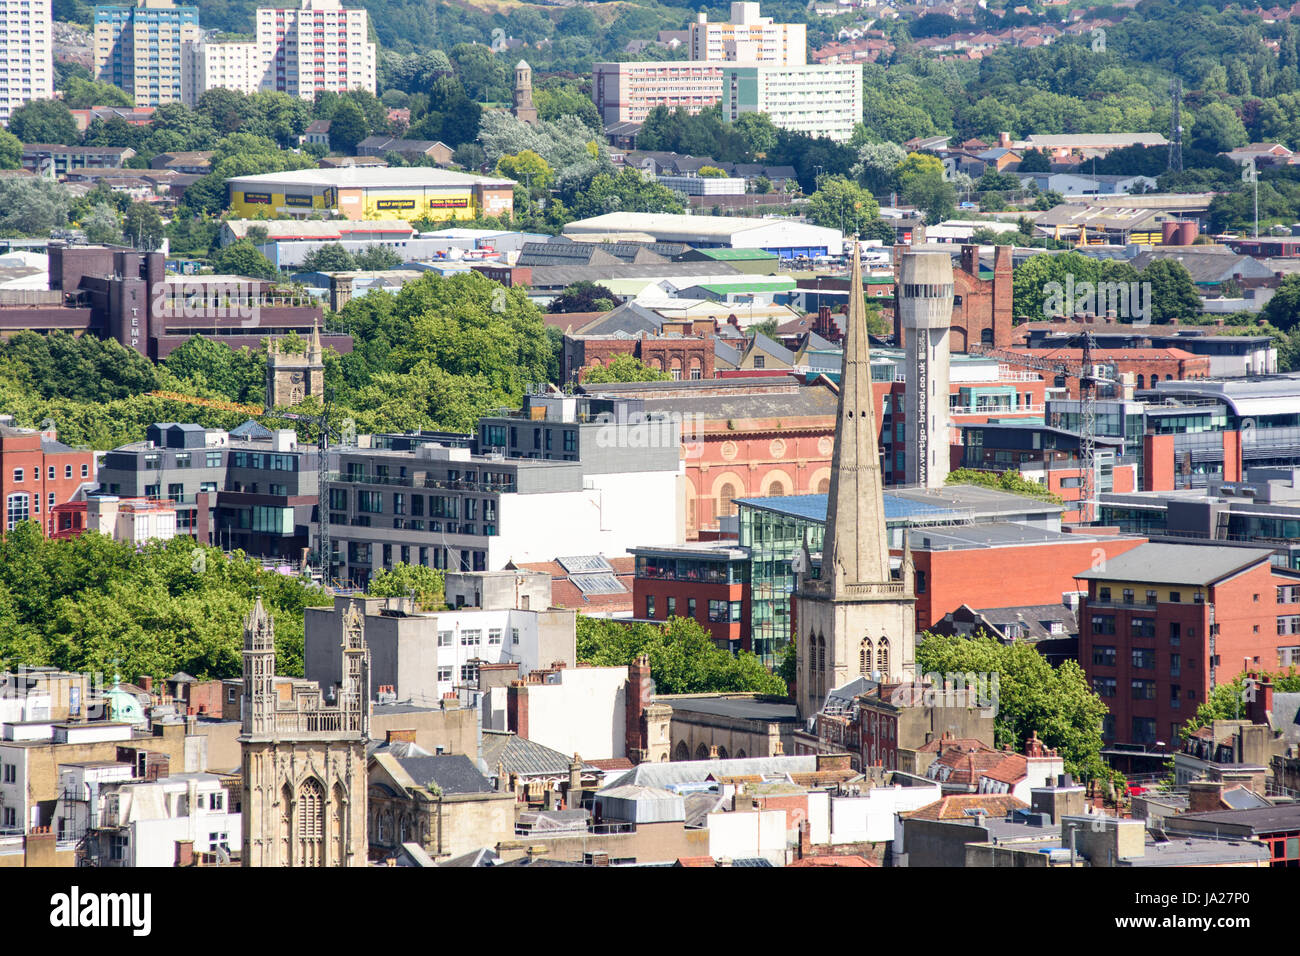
(842, 204)
(623, 368)
(426, 585)
(242, 258)
(44, 121)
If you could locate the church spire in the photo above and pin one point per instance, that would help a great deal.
(856, 549)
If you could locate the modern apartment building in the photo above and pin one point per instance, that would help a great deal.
(815, 100)
(1163, 624)
(749, 38)
(26, 64)
(316, 47)
(429, 502)
(627, 92)
(138, 48)
(250, 488)
(229, 66)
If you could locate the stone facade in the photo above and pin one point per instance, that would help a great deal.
(291, 377)
(523, 109)
(304, 762)
(854, 610)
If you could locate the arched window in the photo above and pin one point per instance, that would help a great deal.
(740, 755)
(701, 752)
(864, 658)
(16, 510)
(1139, 380)
(311, 823)
(725, 494)
(776, 488)
(682, 752)
(882, 657)
(722, 754)
(821, 653)
(823, 486)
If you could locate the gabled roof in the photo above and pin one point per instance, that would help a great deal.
(453, 773)
(520, 755)
(954, 807)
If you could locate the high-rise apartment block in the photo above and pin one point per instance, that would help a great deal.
(26, 68)
(138, 48)
(749, 38)
(227, 66)
(750, 65)
(317, 47)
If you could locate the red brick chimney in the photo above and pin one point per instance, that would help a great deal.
(635, 697)
(1259, 709)
(1033, 746)
(517, 708)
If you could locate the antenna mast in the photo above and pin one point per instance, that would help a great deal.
(1176, 126)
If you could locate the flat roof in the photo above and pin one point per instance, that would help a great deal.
(694, 549)
(743, 708)
(994, 534)
(951, 502)
(372, 177)
(1196, 564)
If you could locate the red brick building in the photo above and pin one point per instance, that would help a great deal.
(682, 354)
(1147, 366)
(707, 582)
(961, 565)
(37, 473)
(1162, 624)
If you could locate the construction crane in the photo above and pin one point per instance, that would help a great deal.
(324, 432)
(1088, 378)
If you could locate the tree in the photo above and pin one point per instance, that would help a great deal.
(622, 368)
(841, 204)
(1228, 701)
(624, 191)
(1173, 293)
(242, 258)
(331, 257)
(347, 127)
(212, 367)
(583, 296)
(711, 172)
(143, 227)
(425, 584)
(11, 150)
(102, 226)
(1283, 310)
(1218, 129)
(44, 121)
(528, 168)
(921, 182)
(1032, 697)
(377, 259)
(683, 657)
(1010, 480)
(876, 166)
(1034, 161)
(32, 206)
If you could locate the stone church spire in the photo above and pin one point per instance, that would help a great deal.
(856, 549)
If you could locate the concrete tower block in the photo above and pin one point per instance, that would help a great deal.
(925, 290)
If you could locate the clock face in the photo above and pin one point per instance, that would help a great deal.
(295, 377)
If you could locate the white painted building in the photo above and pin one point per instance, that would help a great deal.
(869, 817)
(578, 710)
(139, 823)
(777, 234)
(230, 66)
(749, 38)
(27, 66)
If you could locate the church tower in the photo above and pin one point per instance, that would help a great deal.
(523, 109)
(304, 761)
(854, 619)
(292, 376)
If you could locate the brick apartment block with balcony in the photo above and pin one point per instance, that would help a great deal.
(705, 581)
(1163, 624)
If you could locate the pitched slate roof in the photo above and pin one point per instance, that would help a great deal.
(1177, 564)
(453, 773)
(520, 755)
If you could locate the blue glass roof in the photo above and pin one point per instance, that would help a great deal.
(813, 507)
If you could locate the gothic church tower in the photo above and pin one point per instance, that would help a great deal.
(291, 377)
(854, 620)
(304, 761)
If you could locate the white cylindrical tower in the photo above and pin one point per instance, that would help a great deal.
(925, 298)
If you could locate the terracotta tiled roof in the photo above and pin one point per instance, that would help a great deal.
(611, 763)
(696, 861)
(1011, 770)
(858, 861)
(954, 807)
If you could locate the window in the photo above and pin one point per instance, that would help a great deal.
(51, 475)
(469, 673)
(1104, 686)
(152, 462)
(1144, 658)
(370, 501)
(471, 638)
(16, 510)
(494, 637)
(1103, 624)
(445, 638)
(216, 801)
(183, 459)
(444, 674)
(1128, 595)
(10, 818)
(514, 635)
(672, 607)
(1103, 594)
(85, 471)
(212, 459)
(649, 605)
(1288, 624)
(1175, 665)
(1143, 627)
(1175, 597)
(690, 607)
(1103, 656)
(1152, 597)
(18, 475)
(11, 773)
(1288, 594)
(1144, 730)
(1143, 689)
